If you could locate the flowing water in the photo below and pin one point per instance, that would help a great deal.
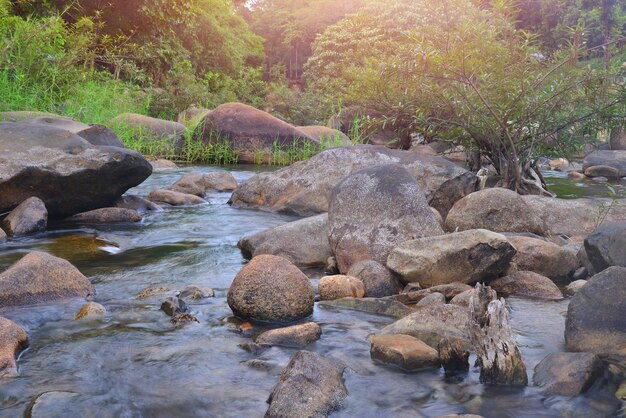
(135, 363)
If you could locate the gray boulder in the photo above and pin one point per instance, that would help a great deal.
(374, 210)
(304, 188)
(310, 386)
(377, 279)
(66, 172)
(467, 257)
(30, 217)
(543, 257)
(567, 374)
(595, 316)
(606, 246)
(303, 242)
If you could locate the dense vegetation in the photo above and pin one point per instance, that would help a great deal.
(509, 83)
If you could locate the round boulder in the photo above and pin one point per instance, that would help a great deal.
(270, 288)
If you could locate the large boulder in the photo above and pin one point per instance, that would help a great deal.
(431, 323)
(496, 209)
(40, 277)
(270, 288)
(94, 134)
(374, 210)
(611, 158)
(567, 374)
(377, 279)
(166, 135)
(595, 316)
(65, 171)
(30, 217)
(248, 131)
(606, 246)
(304, 242)
(310, 386)
(527, 283)
(13, 339)
(326, 136)
(543, 257)
(304, 188)
(467, 257)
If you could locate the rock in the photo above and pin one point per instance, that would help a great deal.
(175, 198)
(258, 364)
(270, 288)
(595, 316)
(13, 339)
(106, 215)
(468, 257)
(94, 134)
(192, 114)
(193, 292)
(374, 210)
(580, 274)
(296, 336)
(331, 266)
(327, 137)
(39, 277)
(463, 299)
(163, 165)
(310, 386)
(567, 374)
(30, 217)
(454, 356)
(448, 290)
(542, 257)
(62, 169)
(614, 159)
(574, 287)
(174, 306)
(434, 298)
(605, 246)
(497, 210)
(150, 292)
(609, 173)
(91, 310)
(374, 306)
(576, 175)
(376, 278)
(200, 184)
(168, 136)
(137, 203)
(404, 351)
(248, 131)
(304, 242)
(527, 283)
(182, 319)
(337, 287)
(304, 188)
(3, 236)
(431, 323)
(618, 138)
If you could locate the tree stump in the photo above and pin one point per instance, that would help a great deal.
(490, 333)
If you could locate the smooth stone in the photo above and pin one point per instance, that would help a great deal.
(13, 339)
(611, 158)
(40, 277)
(310, 386)
(30, 217)
(339, 286)
(404, 351)
(296, 336)
(3, 236)
(106, 215)
(378, 280)
(174, 198)
(567, 374)
(527, 283)
(91, 310)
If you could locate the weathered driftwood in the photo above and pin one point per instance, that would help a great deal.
(490, 333)
(454, 356)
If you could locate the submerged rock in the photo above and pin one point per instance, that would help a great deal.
(30, 217)
(339, 286)
(374, 210)
(39, 277)
(595, 316)
(404, 351)
(377, 279)
(174, 306)
(193, 292)
(527, 283)
(200, 184)
(310, 386)
(303, 242)
(374, 306)
(106, 215)
(468, 257)
(567, 374)
(91, 310)
(137, 203)
(13, 339)
(296, 336)
(270, 288)
(173, 198)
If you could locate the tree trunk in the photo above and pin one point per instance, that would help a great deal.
(490, 333)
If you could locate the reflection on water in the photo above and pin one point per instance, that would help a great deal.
(135, 363)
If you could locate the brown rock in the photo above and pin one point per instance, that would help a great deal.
(339, 286)
(542, 257)
(404, 351)
(270, 288)
(30, 217)
(39, 277)
(107, 215)
(611, 158)
(296, 336)
(527, 283)
(174, 198)
(3, 236)
(13, 339)
(91, 310)
(606, 171)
